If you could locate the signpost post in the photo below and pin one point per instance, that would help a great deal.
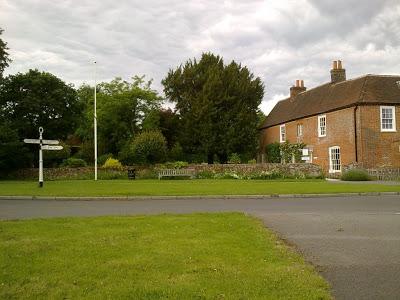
(43, 145)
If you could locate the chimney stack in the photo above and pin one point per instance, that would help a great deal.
(297, 88)
(338, 74)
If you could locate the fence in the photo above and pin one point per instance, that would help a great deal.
(385, 173)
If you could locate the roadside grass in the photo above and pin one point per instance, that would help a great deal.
(185, 187)
(196, 256)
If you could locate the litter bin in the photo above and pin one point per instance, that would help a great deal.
(131, 173)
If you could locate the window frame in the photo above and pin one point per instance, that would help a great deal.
(319, 126)
(280, 133)
(299, 132)
(331, 164)
(393, 109)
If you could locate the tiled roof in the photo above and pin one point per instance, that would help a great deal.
(368, 89)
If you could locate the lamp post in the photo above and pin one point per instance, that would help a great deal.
(95, 124)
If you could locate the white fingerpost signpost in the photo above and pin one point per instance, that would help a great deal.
(44, 145)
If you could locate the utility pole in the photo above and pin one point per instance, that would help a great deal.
(95, 124)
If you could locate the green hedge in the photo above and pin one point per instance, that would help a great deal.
(355, 175)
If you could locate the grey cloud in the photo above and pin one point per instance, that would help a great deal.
(280, 41)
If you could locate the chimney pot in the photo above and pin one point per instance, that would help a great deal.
(338, 74)
(297, 88)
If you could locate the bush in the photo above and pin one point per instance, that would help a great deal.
(147, 174)
(149, 147)
(55, 158)
(103, 158)
(355, 175)
(113, 164)
(252, 161)
(174, 165)
(86, 151)
(273, 153)
(234, 158)
(73, 163)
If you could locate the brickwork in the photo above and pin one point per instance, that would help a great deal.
(378, 149)
(374, 148)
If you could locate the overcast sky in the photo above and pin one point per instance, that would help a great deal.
(280, 41)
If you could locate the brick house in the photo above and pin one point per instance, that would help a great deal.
(342, 122)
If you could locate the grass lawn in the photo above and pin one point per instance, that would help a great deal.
(184, 187)
(197, 256)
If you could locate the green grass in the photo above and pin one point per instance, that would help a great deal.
(198, 256)
(184, 187)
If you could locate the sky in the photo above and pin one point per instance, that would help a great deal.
(279, 41)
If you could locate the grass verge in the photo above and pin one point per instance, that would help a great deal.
(184, 187)
(197, 256)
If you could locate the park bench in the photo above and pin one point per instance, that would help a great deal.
(176, 172)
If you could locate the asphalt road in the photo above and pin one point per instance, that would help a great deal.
(353, 241)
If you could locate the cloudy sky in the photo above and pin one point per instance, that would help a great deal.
(280, 41)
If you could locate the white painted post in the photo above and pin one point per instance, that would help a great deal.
(95, 125)
(40, 157)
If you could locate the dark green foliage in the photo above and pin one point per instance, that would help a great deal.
(4, 56)
(74, 162)
(273, 153)
(55, 158)
(86, 151)
(14, 153)
(176, 152)
(355, 175)
(38, 99)
(218, 106)
(148, 147)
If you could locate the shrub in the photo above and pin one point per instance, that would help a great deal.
(273, 153)
(149, 147)
(55, 158)
(355, 175)
(103, 158)
(234, 158)
(252, 161)
(73, 162)
(147, 174)
(112, 163)
(174, 165)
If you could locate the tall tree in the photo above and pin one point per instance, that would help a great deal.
(4, 56)
(35, 99)
(121, 108)
(218, 106)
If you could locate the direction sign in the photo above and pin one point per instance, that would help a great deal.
(48, 147)
(37, 141)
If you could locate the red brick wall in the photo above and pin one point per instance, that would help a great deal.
(374, 148)
(339, 132)
(378, 149)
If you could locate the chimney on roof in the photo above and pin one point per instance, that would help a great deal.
(338, 74)
(297, 88)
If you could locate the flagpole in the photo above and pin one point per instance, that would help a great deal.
(95, 124)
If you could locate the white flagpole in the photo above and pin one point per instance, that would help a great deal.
(95, 124)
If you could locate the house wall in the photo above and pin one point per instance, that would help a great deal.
(378, 149)
(339, 132)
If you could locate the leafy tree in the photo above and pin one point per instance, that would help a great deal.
(121, 108)
(4, 56)
(148, 147)
(35, 99)
(13, 153)
(217, 104)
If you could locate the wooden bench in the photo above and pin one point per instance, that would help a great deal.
(176, 172)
